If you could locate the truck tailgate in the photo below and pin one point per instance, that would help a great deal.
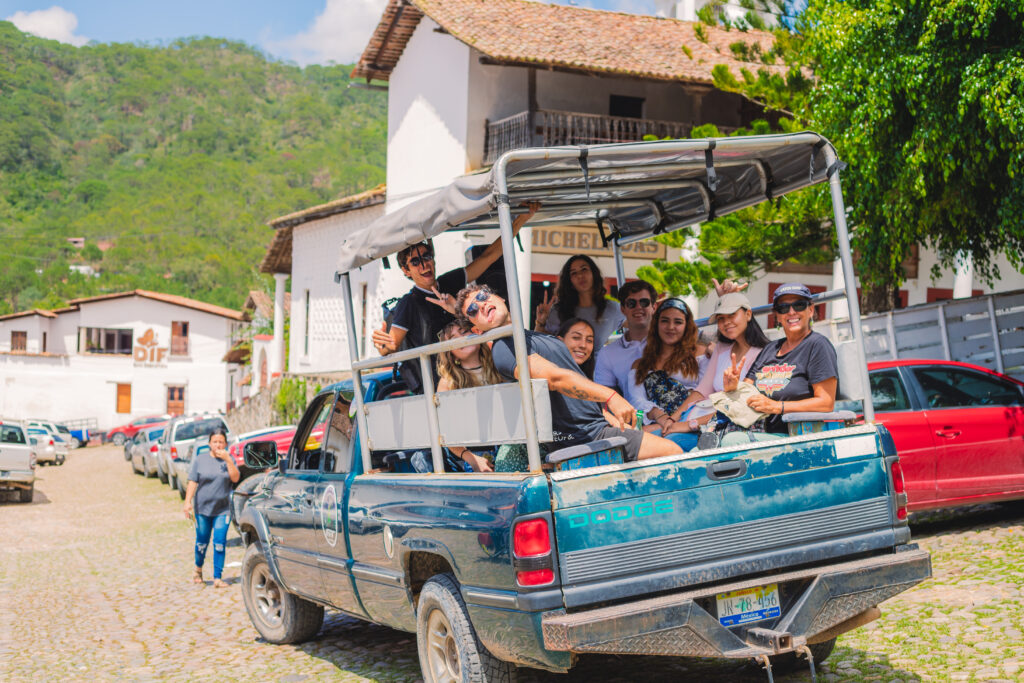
(640, 528)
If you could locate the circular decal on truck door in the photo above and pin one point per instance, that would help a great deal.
(329, 515)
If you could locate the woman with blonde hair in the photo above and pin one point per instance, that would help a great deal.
(461, 368)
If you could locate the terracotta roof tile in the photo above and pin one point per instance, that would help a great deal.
(559, 36)
(278, 258)
(166, 298)
(34, 311)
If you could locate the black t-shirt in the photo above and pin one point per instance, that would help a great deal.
(423, 321)
(573, 420)
(789, 377)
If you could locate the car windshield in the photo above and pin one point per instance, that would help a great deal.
(63, 430)
(191, 430)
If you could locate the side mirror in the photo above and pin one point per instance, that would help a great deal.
(260, 455)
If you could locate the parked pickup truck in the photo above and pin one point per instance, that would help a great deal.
(766, 550)
(17, 460)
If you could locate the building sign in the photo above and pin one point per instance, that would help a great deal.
(582, 240)
(147, 352)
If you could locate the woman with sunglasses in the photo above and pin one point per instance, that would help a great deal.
(580, 294)
(739, 336)
(667, 370)
(796, 374)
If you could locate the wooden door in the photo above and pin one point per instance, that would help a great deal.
(176, 400)
(124, 398)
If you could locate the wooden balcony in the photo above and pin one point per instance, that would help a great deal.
(545, 128)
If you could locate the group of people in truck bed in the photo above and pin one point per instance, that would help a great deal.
(658, 365)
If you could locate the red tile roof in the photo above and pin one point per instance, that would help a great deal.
(166, 298)
(564, 37)
(35, 311)
(278, 258)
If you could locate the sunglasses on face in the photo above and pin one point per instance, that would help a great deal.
(633, 303)
(474, 307)
(417, 261)
(797, 306)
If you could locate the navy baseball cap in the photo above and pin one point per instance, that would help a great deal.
(794, 288)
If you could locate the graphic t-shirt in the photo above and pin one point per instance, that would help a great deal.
(573, 420)
(213, 488)
(789, 377)
(423, 321)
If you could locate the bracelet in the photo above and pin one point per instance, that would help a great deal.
(610, 397)
(782, 407)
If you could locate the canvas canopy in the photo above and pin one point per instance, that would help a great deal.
(631, 191)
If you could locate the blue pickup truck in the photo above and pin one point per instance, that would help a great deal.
(767, 551)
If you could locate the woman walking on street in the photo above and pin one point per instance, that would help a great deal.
(208, 500)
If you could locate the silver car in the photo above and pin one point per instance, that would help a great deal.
(45, 447)
(178, 436)
(61, 443)
(145, 450)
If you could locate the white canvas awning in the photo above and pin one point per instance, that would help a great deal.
(630, 191)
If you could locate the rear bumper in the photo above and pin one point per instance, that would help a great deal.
(17, 478)
(832, 597)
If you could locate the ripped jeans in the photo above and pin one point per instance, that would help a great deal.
(218, 525)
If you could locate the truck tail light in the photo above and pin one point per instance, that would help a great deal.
(174, 453)
(899, 488)
(531, 550)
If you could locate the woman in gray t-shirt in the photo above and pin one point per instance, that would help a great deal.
(208, 499)
(580, 294)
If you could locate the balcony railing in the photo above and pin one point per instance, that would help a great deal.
(555, 128)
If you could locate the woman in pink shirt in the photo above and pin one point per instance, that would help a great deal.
(739, 334)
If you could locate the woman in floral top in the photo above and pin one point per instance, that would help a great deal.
(664, 375)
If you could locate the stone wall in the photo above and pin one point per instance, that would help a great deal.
(261, 410)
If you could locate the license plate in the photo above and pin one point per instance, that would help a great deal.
(749, 604)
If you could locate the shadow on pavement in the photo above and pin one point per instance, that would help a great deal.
(11, 498)
(951, 520)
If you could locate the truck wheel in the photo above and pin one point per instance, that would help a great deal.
(118, 439)
(172, 479)
(75, 443)
(279, 616)
(448, 647)
(25, 495)
(790, 661)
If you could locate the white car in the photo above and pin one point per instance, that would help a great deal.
(61, 443)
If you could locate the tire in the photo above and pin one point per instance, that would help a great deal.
(75, 443)
(279, 616)
(61, 459)
(25, 495)
(790, 661)
(172, 480)
(161, 474)
(449, 649)
(118, 439)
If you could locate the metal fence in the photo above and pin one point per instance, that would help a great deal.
(986, 330)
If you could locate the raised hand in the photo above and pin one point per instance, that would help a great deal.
(731, 375)
(383, 341)
(728, 286)
(544, 310)
(445, 301)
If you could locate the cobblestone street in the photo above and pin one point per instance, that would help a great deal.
(94, 585)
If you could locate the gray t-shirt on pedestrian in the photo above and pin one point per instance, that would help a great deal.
(213, 485)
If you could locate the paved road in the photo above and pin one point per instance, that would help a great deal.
(94, 585)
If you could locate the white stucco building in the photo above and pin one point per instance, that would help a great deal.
(116, 357)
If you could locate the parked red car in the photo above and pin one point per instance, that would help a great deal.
(958, 428)
(125, 432)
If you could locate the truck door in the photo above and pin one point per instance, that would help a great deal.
(335, 556)
(290, 510)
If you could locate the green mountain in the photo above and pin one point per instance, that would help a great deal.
(171, 159)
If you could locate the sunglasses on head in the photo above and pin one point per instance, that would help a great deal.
(417, 261)
(633, 303)
(797, 306)
(474, 307)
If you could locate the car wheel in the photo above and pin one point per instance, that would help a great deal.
(25, 495)
(118, 439)
(448, 647)
(75, 443)
(790, 661)
(60, 459)
(279, 616)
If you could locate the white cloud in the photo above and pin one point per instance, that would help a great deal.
(55, 23)
(338, 34)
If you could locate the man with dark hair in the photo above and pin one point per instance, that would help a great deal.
(576, 402)
(637, 302)
(419, 315)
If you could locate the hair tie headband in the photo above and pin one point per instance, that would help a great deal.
(677, 303)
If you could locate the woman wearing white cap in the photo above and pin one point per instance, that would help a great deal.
(796, 374)
(739, 335)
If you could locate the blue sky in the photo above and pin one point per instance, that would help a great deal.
(306, 31)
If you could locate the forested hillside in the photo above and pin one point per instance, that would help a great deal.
(171, 158)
